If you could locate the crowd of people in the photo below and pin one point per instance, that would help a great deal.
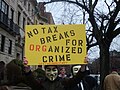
(54, 82)
(56, 78)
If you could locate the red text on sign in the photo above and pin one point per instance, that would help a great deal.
(33, 47)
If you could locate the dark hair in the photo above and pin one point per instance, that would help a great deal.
(114, 69)
(62, 68)
(50, 65)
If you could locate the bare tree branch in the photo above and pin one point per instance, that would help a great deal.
(95, 3)
(112, 19)
(116, 32)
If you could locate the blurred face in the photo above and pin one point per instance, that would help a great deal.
(51, 73)
(62, 71)
(76, 69)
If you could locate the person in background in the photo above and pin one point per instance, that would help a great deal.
(87, 83)
(62, 72)
(112, 81)
(52, 81)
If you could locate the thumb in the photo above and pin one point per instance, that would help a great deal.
(25, 61)
(26, 67)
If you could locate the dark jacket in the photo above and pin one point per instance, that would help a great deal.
(91, 82)
(58, 84)
(88, 83)
(78, 86)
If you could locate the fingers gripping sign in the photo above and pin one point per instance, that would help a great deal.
(86, 60)
(83, 67)
(26, 67)
(25, 61)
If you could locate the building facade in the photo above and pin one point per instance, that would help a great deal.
(14, 15)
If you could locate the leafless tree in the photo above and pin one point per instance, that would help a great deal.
(104, 26)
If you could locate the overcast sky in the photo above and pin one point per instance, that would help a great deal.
(58, 12)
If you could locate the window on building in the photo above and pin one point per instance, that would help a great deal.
(0, 4)
(36, 22)
(10, 47)
(12, 18)
(19, 39)
(28, 7)
(32, 12)
(17, 56)
(19, 14)
(28, 23)
(24, 23)
(25, 2)
(2, 43)
(12, 14)
(4, 7)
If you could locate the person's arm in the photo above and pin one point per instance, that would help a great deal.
(71, 82)
(29, 77)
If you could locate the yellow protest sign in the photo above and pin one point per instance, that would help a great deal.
(55, 44)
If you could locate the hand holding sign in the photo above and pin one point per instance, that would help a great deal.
(26, 67)
(83, 67)
(86, 60)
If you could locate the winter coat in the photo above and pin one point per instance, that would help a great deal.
(79, 87)
(88, 83)
(112, 81)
